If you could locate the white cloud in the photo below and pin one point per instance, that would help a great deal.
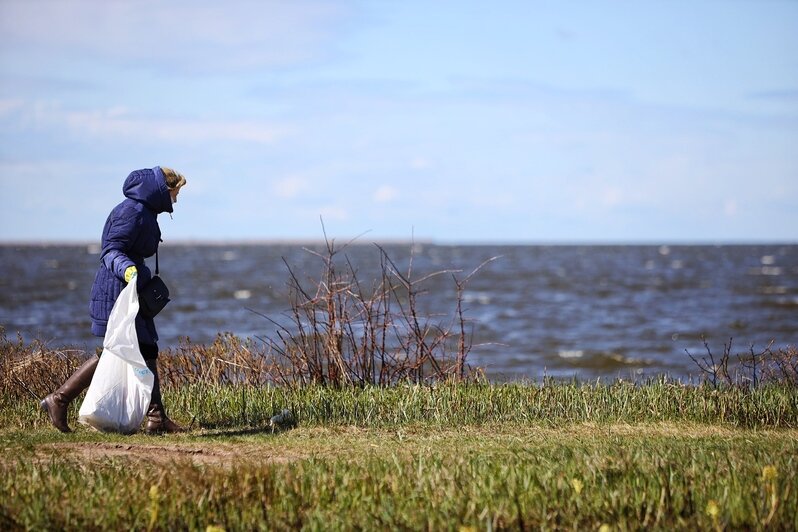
(291, 187)
(612, 197)
(8, 106)
(112, 122)
(192, 36)
(120, 122)
(420, 163)
(385, 194)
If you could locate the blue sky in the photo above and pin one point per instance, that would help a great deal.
(454, 121)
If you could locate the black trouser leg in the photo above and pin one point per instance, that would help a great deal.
(157, 420)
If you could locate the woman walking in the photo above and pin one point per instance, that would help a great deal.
(131, 233)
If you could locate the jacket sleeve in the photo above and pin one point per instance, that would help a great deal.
(121, 235)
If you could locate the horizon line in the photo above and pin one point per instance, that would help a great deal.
(297, 241)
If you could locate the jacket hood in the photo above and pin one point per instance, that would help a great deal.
(148, 186)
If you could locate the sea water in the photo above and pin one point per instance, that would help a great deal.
(590, 311)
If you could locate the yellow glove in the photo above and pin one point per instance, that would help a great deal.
(130, 273)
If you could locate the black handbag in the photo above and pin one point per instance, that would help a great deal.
(154, 295)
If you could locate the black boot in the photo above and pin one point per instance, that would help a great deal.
(157, 421)
(57, 403)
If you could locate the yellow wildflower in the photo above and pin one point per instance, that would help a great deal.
(214, 528)
(769, 473)
(713, 510)
(605, 528)
(577, 485)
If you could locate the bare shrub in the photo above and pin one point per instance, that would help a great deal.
(750, 368)
(781, 366)
(345, 332)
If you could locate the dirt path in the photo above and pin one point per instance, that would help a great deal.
(331, 442)
(213, 454)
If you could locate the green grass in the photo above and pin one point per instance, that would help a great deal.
(415, 477)
(213, 406)
(557, 456)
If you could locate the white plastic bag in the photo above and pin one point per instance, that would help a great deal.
(119, 393)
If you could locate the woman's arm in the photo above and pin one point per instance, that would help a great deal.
(118, 240)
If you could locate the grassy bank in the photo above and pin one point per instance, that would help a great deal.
(418, 457)
(442, 456)
(579, 476)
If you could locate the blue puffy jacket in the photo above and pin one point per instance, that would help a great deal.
(131, 233)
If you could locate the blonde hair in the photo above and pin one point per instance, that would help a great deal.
(174, 180)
